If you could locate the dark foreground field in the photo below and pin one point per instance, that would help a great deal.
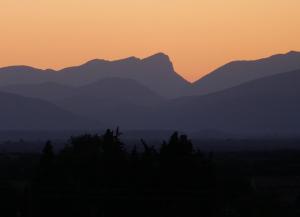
(99, 175)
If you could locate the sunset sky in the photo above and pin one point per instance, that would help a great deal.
(198, 35)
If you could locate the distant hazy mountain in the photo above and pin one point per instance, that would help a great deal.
(251, 96)
(155, 72)
(47, 90)
(238, 72)
(116, 89)
(113, 113)
(270, 104)
(117, 101)
(23, 113)
(107, 88)
(266, 105)
(24, 75)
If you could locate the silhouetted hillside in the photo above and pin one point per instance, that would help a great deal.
(238, 72)
(47, 91)
(24, 75)
(155, 72)
(127, 90)
(17, 112)
(121, 93)
(267, 105)
(113, 100)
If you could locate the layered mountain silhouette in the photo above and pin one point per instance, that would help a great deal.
(108, 88)
(259, 96)
(117, 101)
(155, 72)
(238, 72)
(19, 113)
(117, 89)
(266, 105)
(49, 91)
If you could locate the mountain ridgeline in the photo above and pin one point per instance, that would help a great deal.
(155, 72)
(239, 72)
(253, 97)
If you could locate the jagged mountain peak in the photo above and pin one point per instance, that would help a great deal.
(158, 57)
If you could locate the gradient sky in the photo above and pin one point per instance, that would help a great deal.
(198, 35)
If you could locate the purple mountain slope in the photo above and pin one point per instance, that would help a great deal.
(239, 72)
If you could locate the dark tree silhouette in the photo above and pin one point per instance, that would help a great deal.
(102, 165)
(47, 158)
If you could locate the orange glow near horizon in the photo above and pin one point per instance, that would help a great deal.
(198, 35)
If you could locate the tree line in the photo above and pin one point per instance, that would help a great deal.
(97, 175)
(102, 167)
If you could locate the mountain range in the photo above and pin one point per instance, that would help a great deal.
(258, 96)
(24, 113)
(155, 72)
(267, 105)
